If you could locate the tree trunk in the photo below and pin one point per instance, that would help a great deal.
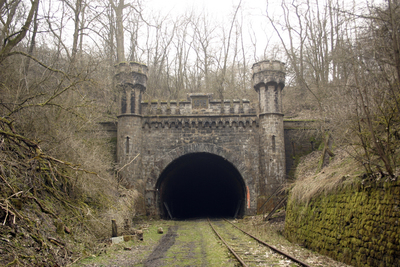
(10, 43)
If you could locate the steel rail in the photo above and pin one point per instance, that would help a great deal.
(271, 247)
(230, 249)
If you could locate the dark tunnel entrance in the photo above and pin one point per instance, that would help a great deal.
(201, 185)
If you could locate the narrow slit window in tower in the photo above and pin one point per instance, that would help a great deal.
(273, 144)
(133, 101)
(123, 103)
(127, 145)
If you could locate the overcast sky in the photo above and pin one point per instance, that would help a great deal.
(220, 8)
(221, 11)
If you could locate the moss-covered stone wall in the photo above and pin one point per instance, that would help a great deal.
(358, 225)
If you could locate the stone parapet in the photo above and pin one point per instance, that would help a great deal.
(159, 122)
(184, 107)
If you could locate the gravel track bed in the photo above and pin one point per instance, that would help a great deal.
(193, 243)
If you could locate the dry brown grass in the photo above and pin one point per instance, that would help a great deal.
(311, 182)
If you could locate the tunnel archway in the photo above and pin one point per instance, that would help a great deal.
(200, 185)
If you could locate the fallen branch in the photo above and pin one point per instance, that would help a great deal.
(12, 189)
(275, 208)
(43, 209)
(6, 208)
(128, 163)
(25, 140)
(56, 242)
(15, 194)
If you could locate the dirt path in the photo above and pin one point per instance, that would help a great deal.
(164, 244)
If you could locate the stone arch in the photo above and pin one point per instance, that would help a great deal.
(171, 156)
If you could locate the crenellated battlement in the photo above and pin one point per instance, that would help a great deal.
(131, 67)
(269, 65)
(197, 104)
(199, 122)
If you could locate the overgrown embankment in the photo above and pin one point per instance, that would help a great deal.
(350, 218)
(52, 212)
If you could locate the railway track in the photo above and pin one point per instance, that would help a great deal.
(248, 249)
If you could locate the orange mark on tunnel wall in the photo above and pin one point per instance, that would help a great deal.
(248, 197)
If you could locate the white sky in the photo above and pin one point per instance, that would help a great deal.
(254, 15)
(217, 7)
(222, 11)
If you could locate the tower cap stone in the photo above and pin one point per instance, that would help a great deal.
(268, 72)
(132, 73)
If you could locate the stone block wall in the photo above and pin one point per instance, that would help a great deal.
(272, 160)
(358, 225)
(301, 138)
(272, 153)
(128, 148)
(235, 138)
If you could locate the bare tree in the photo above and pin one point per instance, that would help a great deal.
(348, 63)
(118, 8)
(10, 39)
(226, 49)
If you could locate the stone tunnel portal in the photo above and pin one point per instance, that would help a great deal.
(201, 185)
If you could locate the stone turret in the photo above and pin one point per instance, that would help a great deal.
(269, 80)
(131, 80)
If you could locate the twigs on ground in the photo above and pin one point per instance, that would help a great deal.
(7, 206)
(5, 181)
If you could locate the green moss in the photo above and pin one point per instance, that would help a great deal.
(352, 222)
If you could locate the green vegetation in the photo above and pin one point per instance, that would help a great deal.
(193, 247)
(355, 224)
(197, 247)
(110, 254)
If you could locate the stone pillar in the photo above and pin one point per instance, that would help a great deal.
(130, 80)
(269, 80)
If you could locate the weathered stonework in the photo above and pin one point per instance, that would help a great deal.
(359, 224)
(154, 135)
